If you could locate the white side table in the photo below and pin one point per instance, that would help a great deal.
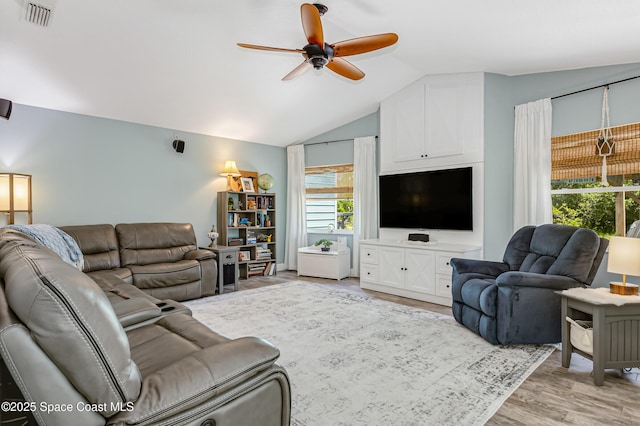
(334, 264)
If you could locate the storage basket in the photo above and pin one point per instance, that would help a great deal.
(581, 335)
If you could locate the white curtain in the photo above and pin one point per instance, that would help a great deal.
(365, 195)
(532, 164)
(296, 233)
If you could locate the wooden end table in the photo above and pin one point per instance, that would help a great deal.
(228, 271)
(616, 328)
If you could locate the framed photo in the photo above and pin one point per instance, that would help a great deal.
(236, 182)
(247, 184)
(244, 256)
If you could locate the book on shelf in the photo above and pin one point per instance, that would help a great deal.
(251, 237)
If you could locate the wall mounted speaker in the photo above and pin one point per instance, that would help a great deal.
(5, 108)
(178, 145)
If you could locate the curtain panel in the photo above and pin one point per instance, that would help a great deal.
(532, 164)
(296, 232)
(365, 195)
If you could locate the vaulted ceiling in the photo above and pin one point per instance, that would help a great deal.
(175, 63)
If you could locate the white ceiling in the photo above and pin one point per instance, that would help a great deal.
(175, 63)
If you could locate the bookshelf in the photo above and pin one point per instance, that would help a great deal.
(248, 220)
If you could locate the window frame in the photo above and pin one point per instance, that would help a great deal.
(324, 169)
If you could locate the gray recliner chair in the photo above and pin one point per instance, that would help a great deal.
(515, 301)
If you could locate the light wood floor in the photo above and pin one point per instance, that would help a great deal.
(552, 395)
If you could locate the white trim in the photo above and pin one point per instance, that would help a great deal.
(596, 189)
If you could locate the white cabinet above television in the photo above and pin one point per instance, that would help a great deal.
(436, 121)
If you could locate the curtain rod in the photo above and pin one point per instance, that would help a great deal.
(337, 140)
(595, 87)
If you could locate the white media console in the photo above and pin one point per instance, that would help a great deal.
(411, 269)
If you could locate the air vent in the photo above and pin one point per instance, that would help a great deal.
(38, 14)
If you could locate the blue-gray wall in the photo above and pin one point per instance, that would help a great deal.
(92, 170)
(89, 170)
(571, 114)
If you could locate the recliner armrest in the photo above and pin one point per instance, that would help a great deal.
(486, 267)
(530, 279)
(135, 310)
(199, 254)
(199, 377)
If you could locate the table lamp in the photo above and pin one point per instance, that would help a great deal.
(230, 170)
(624, 258)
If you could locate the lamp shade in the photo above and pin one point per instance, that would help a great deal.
(230, 169)
(624, 256)
(15, 194)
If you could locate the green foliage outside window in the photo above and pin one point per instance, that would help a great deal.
(593, 210)
(345, 214)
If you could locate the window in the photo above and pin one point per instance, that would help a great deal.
(578, 196)
(329, 193)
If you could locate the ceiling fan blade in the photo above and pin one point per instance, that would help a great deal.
(299, 70)
(364, 44)
(345, 68)
(274, 49)
(311, 24)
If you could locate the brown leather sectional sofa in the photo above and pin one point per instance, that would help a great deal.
(161, 259)
(108, 347)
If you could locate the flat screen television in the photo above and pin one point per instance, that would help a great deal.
(436, 199)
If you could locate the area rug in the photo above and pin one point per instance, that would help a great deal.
(356, 360)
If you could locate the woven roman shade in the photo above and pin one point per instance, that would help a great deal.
(330, 182)
(576, 155)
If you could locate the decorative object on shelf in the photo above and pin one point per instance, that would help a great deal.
(230, 171)
(267, 221)
(247, 185)
(325, 243)
(624, 253)
(331, 227)
(230, 203)
(605, 145)
(213, 236)
(265, 182)
(15, 195)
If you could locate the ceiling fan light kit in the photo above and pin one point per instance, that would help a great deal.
(318, 54)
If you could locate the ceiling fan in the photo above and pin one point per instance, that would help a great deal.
(317, 53)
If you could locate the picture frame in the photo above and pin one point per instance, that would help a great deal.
(247, 184)
(236, 181)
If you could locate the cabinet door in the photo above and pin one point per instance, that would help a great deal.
(409, 125)
(420, 271)
(391, 272)
(444, 115)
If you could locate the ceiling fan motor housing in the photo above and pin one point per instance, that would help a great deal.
(318, 56)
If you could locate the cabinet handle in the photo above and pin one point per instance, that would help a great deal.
(448, 264)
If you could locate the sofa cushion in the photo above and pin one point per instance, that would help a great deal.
(161, 275)
(71, 319)
(99, 245)
(147, 243)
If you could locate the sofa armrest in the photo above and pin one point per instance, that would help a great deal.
(209, 269)
(199, 254)
(485, 267)
(135, 310)
(543, 281)
(198, 377)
